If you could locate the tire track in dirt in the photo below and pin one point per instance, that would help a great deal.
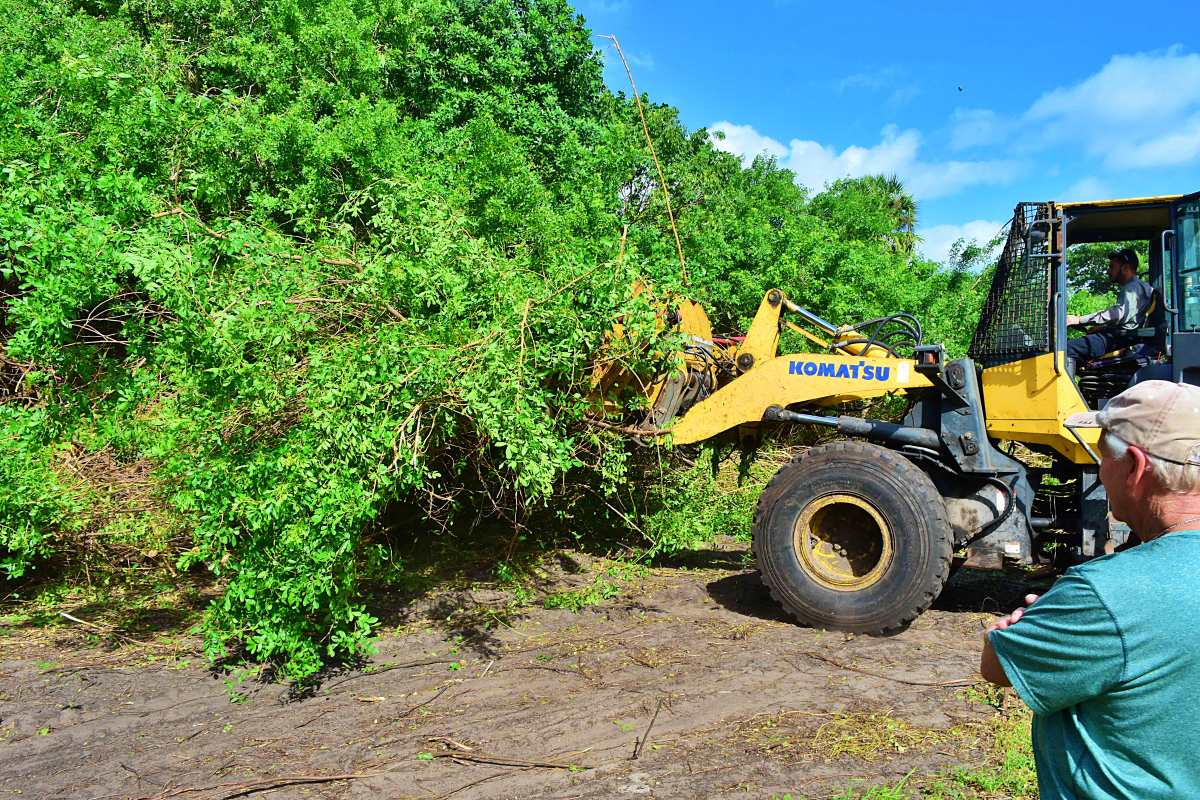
(745, 701)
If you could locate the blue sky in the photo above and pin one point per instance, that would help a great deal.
(975, 106)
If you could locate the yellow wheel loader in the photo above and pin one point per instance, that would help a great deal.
(860, 534)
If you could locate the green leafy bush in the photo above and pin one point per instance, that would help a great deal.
(309, 259)
(33, 501)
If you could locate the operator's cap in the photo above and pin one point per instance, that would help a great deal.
(1126, 254)
(1160, 417)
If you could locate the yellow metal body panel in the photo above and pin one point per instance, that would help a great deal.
(1028, 400)
(693, 321)
(817, 340)
(805, 378)
(762, 340)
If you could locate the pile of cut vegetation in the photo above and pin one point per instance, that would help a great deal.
(270, 267)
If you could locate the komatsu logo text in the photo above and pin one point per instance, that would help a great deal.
(863, 370)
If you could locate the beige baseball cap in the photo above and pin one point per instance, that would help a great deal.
(1160, 417)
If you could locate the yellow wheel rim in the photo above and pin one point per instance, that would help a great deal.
(843, 543)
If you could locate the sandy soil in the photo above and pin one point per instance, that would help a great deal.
(732, 700)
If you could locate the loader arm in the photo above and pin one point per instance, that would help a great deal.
(787, 380)
(723, 383)
(767, 379)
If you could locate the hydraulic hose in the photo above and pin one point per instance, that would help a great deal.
(877, 429)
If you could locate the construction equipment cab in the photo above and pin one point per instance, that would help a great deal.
(860, 534)
(1020, 342)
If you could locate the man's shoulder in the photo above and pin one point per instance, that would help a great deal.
(1168, 547)
(1163, 563)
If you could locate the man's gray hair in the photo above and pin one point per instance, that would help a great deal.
(1175, 478)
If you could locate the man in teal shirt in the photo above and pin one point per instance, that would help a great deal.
(1109, 657)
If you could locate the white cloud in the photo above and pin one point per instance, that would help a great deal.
(605, 6)
(902, 96)
(1128, 89)
(1140, 110)
(874, 80)
(638, 62)
(643, 60)
(897, 152)
(937, 240)
(939, 179)
(745, 142)
(901, 91)
(977, 127)
(1180, 146)
(816, 164)
(1086, 189)
(1137, 111)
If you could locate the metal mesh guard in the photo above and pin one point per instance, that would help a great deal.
(1015, 322)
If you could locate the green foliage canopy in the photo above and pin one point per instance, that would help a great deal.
(308, 258)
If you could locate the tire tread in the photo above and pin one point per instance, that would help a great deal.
(926, 494)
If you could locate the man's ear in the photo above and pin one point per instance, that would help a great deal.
(1140, 471)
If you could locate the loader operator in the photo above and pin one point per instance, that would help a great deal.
(1109, 657)
(1116, 324)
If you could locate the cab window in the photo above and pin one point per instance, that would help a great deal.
(1188, 236)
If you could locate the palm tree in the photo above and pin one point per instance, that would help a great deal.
(904, 211)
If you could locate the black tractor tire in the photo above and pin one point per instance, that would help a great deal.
(852, 536)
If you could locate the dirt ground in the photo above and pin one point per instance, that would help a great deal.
(690, 684)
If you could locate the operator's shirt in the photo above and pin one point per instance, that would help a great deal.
(1109, 661)
(1129, 312)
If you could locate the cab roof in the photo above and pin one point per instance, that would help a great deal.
(1118, 220)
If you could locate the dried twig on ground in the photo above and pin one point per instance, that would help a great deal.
(475, 783)
(508, 651)
(113, 632)
(548, 668)
(446, 740)
(847, 667)
(388, 668)
(641, 743)
(235, 790)
(419, 706)
(505, 761)
(313, 719)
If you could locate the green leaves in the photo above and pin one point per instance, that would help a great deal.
(35, 502)
(307, 260)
